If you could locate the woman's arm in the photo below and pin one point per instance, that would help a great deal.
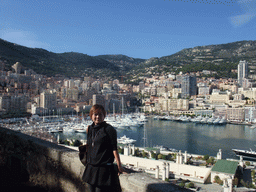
(118, 162)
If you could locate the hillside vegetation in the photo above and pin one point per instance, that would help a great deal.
(219, 58)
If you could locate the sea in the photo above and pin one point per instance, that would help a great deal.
(195, 138)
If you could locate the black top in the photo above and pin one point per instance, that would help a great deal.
(102, 141)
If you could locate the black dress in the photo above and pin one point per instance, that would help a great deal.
(100, 171)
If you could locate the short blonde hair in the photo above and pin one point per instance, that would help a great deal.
(97, 109)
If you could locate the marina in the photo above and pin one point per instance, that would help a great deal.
(193, 137)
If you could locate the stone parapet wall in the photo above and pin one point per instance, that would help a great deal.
(53, 167)
(57, 168)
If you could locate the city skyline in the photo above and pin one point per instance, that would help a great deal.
(137, 29)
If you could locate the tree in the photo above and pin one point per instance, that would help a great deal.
(120, 150)
(164, 157)
(77, 143)
(174, 155)
(211, 160)
(235, 181)
(206, 157)
(144, 154)
(159, 156)
(182, 184)
(169, 157)
(66, 142)
(218, 180)
(153, 155)
(253, 174)
(190, 185)
(137, 152)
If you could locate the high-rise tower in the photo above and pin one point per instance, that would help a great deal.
(188, 86)
(242, 72)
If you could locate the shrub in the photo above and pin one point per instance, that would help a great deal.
(253, 174)
(145, 154)
(235, 181)
(247, 163)
(164, 157)
(206, 157)
(159, 156)
(169, 157)
(190, 185)
(120, 150)
(199, 158)
(251, 186)
(218, 180)
(153, 155)
(65, 142)
(211, 160)
(137, 152)
(76, 143)
(182, 184)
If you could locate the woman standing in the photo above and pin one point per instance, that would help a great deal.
(100, 173)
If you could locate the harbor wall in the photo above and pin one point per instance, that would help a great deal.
(57, 168)
(193, 173)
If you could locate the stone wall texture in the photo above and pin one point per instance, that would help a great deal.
(56, 168)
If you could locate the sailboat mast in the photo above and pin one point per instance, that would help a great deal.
(122, 106)
(114, 111)
(145, 136)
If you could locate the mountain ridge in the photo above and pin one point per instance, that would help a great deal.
(73, 64)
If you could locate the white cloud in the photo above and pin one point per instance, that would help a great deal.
(241, 19)
(249, 8)
(24, 38)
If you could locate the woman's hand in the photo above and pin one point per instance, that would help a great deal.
(121, 170)
(118, 162)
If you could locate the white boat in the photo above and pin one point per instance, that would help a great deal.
(210, 120)
(204, 120)
(185, 119)
(247, 154)
(216, 121)
(125, 140)
(80, 130)
(197, 119)
(52, 130)
(156, 117)
(222, 121)
(126, 121)
(253, 126)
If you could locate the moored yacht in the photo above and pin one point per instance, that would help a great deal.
(125, 140)
(249, 154)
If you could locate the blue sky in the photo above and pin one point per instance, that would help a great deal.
(136, 28)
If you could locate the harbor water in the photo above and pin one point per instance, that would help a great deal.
(195, 138)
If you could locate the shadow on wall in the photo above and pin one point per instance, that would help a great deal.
(26, 162)
(32, 164)
(166, 187)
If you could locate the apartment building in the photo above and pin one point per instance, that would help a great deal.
(242, 72)
(250, 114)
(48, 99)
(13, 103)
(219, 98)
(173, 104)
(235, 114)
(98, 99)
(250, 92)
(188, 86)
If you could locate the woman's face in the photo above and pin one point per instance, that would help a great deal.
(97, 117)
